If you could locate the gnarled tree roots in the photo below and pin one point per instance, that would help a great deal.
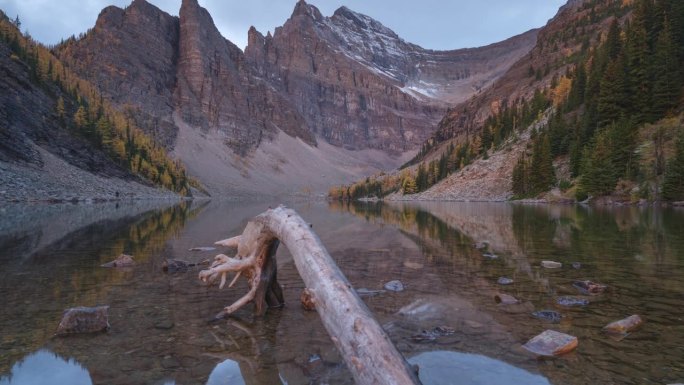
(255, 260)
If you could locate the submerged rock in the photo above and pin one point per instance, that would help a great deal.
(505, 299)
(363, 292)
(551, 343)
(179, 266)
(122, 260)
(548, 316)
(394, 286)
(480, 245)
(589, 288)
(571, 301)
(174, 266)
(84, 320)
(203, 248)
(551, 264)
(431, 335)
(576, 265)
(624, 326)
(504, 281)
(490, 256)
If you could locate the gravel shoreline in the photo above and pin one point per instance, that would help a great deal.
(58, 181)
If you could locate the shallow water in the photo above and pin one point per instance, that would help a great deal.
(51, 257)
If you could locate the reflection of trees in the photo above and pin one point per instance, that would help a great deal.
(65, 273)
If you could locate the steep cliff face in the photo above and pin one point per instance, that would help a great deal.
(218, 89)
(131, 56)
(359, 85)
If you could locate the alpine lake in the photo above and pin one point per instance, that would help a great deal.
(449, 257)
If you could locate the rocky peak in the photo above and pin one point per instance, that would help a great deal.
(302, 8)
(344, 16)
(254, 37)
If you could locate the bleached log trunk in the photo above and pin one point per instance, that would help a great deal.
(366, 348)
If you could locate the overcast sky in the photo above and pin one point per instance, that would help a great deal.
(436, 24)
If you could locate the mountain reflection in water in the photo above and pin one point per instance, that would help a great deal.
(46, 368)
(51, 257)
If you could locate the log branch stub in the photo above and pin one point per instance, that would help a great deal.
(367, 350)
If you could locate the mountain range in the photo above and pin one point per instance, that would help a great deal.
(145, 98)
(323, 100)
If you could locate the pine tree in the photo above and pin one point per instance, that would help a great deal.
(542, 175)
(421, 178)
(623, 141)
(613, 95)
(666, 69)
(598, 176)
(520, 177)
(578, 89)
(673, 185)
(638, 55)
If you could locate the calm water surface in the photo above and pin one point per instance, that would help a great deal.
(50, 258)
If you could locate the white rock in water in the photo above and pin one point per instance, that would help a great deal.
(394, 286)
(551, 264)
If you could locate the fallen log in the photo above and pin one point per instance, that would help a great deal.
(367, 350)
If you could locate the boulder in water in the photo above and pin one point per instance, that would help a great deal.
(551, 343)
(84, 320)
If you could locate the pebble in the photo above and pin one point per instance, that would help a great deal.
(394, 286)
(164, 325)
(490, 256)
(572, 301)
(504, 281)
(548, 316)
(363, 292)
(551, 264)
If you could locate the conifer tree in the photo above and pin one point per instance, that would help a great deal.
(598, 176)
(673, 185)
(667, 73)
(542, 175)
(520, 177)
